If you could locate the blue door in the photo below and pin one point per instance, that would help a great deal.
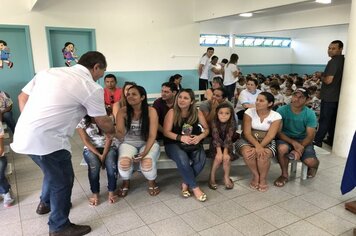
(83, 40)
(12, 80)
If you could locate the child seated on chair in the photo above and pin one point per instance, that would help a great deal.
(4, 184)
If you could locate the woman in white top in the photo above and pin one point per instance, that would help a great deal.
(247, 97)
(257, 145)
(231, 73)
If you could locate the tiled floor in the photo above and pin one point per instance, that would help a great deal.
(311, 207)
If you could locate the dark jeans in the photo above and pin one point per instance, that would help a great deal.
(58, 179)
(203, 85)
(45, 194)
(94, 166)
(4, 184)
(9, 120)
(327, 120)
(230, 90)
(189, 164)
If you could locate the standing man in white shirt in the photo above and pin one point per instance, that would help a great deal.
(203, 69)
(52, 104)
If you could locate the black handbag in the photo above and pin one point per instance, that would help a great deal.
(190, 147)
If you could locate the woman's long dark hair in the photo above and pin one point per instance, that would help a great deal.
(144, 119)
(88, 121)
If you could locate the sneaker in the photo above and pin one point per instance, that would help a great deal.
(11, 64)
(67, 63)
(316, 143)
(8, 199)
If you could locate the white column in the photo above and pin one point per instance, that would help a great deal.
(346, 117)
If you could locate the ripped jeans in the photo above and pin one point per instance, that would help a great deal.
(94, 166)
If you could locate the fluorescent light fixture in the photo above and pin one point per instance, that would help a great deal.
(323, 1)
(247, 14)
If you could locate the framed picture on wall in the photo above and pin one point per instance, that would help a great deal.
(66, 45)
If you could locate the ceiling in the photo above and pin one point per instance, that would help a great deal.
(301, 6)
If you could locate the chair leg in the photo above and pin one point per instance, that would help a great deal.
(293, 168)
(304, 171)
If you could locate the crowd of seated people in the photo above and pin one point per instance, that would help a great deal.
(262, 104)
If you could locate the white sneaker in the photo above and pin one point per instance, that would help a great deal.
(8, 199)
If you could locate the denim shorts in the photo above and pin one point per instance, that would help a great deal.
(309, 151)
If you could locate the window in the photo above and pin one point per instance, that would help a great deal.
(259, 41)
(210, 40)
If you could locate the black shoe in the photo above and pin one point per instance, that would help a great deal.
(319, 144)
(328, 142)
(42, 209)
(72, 230)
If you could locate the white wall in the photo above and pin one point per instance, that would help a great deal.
(310, 45)
(134, 35)
(311, 31)
(167, 28)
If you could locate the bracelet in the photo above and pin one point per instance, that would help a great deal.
(179, 137)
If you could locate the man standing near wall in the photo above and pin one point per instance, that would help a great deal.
(330, 91)
(52, 104)
(203, 69)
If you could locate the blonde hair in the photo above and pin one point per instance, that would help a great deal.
(192, 111)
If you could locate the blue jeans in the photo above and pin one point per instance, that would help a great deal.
(45, 194)
(9, 120)
(4, 184)
(327, 120)
(189, 164)
(58, 178)
(94, 166)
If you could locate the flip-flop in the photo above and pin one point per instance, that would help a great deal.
(93, 201)
(254, 186)
(112, 199)
(262, 188)
(229, 186)
(280, 181)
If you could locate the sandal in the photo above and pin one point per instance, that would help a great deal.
(212, 186)
(280, 181)
(185, 191)
(202, 198)
(229, 186)
(254, 186)
(122, 192)
(93, 201)
(153, 191)
(262, 187)
(312, 172)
